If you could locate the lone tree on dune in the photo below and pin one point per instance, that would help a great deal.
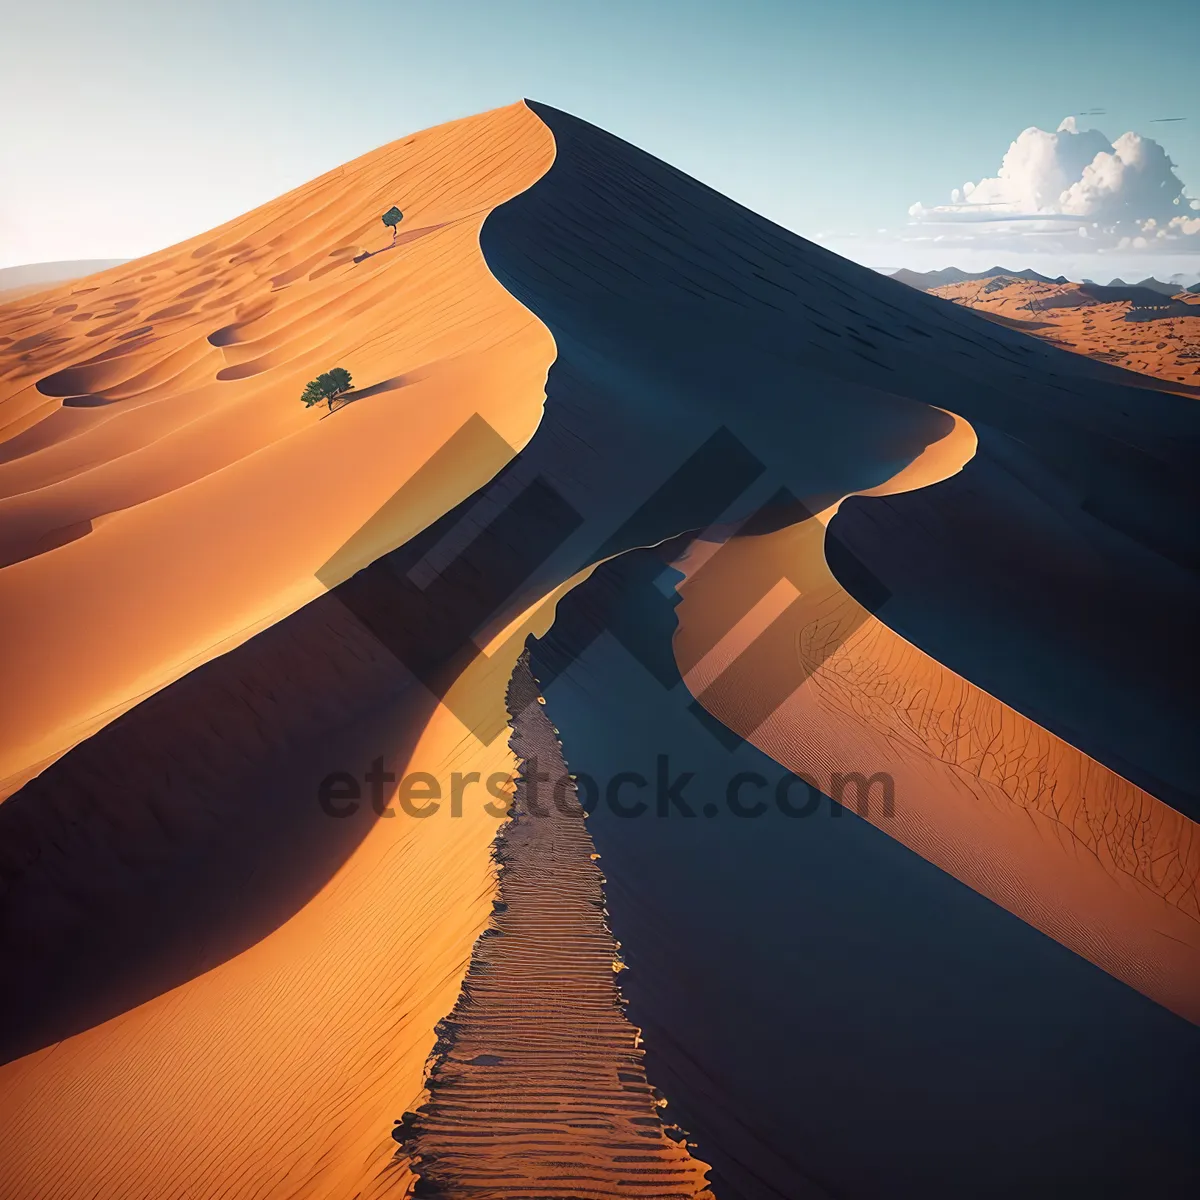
(392, 218)
(327, 387)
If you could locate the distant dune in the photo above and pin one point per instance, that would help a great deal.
(929, 280)
(1166, 288)
(16, 282)
(1147, 327)
(756, 513)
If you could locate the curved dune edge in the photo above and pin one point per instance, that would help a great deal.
(770, 644)
(315, 1039)
(182, 508)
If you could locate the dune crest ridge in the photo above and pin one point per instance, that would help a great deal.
(510, 1111)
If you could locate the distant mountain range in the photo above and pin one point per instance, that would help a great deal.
(924, 280)
(1149, 293)
(1155, 285)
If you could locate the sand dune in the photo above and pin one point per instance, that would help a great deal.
(279, 1070)
(214, 598)
(747, 370)
(156, 404)
(1003, 805)
(1161, 341)
(194, 501)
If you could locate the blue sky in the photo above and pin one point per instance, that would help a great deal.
(129, 125)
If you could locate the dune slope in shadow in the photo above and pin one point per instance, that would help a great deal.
(744, 325)
(829, 1013)
(733, 323)
(631, 263)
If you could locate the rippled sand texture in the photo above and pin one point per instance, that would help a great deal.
(539, 1088)
(771, 644)
(164, 494)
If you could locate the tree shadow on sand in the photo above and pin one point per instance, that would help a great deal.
(374, 389)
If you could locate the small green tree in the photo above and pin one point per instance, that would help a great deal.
(392, 218)
(327, 386)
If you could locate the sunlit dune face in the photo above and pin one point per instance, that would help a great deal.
(281, 1071)
(163, 496)
(823, 687)
(164, 493)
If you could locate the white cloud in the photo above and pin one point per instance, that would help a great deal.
(1074, 184)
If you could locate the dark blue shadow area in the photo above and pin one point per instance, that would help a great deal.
(1065, 585)
(828, 1014)
(1001, 575)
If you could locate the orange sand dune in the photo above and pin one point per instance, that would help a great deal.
(153, 449)
(771, 644)
(164, 496)
(280, 1072)
(1166, 346)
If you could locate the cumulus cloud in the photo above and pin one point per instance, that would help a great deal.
(1075, 184)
